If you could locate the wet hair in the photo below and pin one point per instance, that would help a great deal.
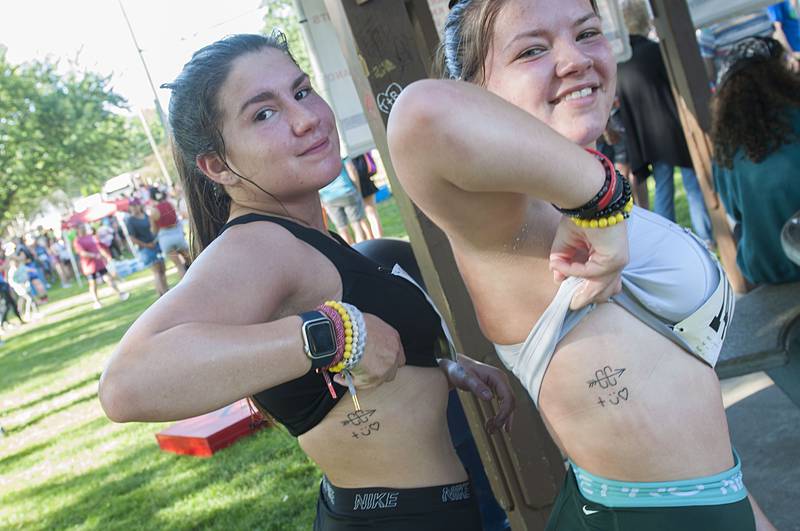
(468, 34)
(749, 112)
(195, 118)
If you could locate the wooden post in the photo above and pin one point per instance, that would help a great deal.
(388, 44)
(692, 94)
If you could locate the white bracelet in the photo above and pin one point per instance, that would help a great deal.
(359, 336)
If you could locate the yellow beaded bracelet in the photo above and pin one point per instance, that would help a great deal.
(348, 335)
(605, 222)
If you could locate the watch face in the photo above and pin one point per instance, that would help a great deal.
(320, 338)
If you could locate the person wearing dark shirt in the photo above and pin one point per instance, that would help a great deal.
(653, 131)
(149, 253)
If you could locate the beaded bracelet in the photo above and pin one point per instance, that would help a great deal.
(338, 327)
(612, 208)
(602, 198)
(347, 342)
(339, 332)
(359, 335)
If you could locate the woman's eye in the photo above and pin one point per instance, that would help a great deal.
(263, 114)
(588, 34)
(532, 52)
(302, 93)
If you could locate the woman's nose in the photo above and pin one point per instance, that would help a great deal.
(571, 60)
(303, 118)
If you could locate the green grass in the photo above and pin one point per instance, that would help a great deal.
(681, 204)
(63, 465)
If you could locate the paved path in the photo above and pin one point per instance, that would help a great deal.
(765, 429)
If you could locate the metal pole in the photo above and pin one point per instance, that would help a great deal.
(160, 111)
(154, 147)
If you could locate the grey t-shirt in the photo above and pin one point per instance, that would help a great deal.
(139, 228)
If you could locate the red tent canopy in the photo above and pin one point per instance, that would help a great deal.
(97, 212)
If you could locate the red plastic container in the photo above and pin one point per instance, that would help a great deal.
(204, 435)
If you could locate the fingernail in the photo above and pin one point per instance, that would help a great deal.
(487, 395)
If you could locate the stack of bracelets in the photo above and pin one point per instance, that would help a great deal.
(351, 339)
(612, 204)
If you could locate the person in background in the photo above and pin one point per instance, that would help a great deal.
(345, 208)
(18, 277)
(717, 40)
(149, 253)
(36, 282)
(93, 256)
(756, 136)
(7, 301)
(787, 29)
(365, 168)
(654, 135)
(61, 261)
(164, 224)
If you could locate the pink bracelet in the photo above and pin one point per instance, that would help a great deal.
(338, 328)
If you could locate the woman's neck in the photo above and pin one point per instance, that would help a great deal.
(308, 212)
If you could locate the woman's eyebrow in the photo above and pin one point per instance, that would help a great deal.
(540, 32)
(266, 95)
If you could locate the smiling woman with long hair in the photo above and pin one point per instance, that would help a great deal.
(277, 308)
(627, 388)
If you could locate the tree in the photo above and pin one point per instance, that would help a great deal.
(280, 14)
(58, 131)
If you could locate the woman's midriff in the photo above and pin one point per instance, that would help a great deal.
(400, 438)
(626, 403)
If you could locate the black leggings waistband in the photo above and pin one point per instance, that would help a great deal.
(381, 501)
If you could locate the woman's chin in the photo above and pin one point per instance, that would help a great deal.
(586, 137)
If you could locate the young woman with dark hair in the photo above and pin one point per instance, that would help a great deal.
(627, 387)
(276, 308)
(756, 134)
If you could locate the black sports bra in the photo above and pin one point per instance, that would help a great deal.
(302, 403)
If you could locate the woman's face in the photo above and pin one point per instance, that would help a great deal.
(550, 58)
(278, 132)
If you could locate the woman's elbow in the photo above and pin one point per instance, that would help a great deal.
(417, 115)
(118, 393)
(111, 392)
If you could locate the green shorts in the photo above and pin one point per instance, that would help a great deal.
(573, 512)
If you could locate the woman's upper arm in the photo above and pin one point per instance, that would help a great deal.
(243, 279)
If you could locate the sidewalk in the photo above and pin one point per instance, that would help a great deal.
(765, 430)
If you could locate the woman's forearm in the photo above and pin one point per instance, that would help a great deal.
(479, 142)
(194, 368)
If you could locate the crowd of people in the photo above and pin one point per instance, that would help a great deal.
(34, 263)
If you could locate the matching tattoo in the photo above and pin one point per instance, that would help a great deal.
(363, 422)
(607, 381)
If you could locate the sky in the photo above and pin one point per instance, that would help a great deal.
(94, 31)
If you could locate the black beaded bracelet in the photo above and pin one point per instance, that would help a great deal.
(590, 206)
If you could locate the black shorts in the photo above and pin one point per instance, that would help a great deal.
(97, 274)
(426, 509)
(573, 512)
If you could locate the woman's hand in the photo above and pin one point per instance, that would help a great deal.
(596, 255)
(485, 382)
(382, 356)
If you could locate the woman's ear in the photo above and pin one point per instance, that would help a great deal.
(215, 169)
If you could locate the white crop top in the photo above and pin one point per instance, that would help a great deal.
(672, 283)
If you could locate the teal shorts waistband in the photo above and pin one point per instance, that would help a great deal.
(719, 489)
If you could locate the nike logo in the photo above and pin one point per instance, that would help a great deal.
(588, 512)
